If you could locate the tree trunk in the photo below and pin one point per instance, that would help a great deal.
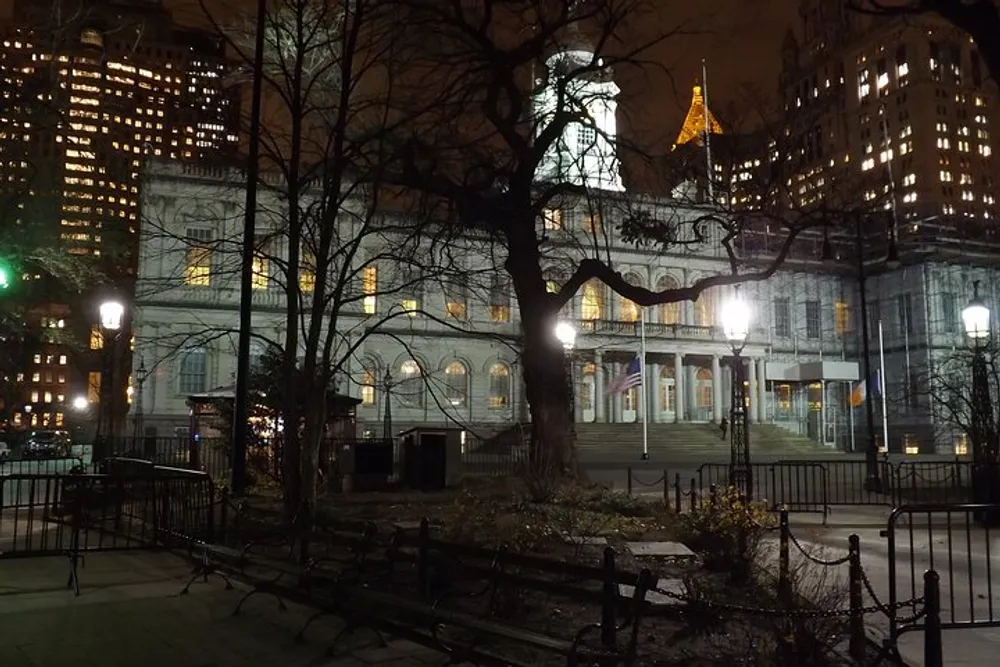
(553, 440)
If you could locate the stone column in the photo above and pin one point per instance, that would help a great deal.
(690, 379)
(679, 387)
(600, 414)
(752, 393)
(716, 390)
(616, 400)
(576, 380)
(762, 389)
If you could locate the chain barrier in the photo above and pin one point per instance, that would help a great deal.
(819, 561)
(659, 480)
(779, 613)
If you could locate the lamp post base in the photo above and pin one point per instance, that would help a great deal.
(873, 484)
(645, 456)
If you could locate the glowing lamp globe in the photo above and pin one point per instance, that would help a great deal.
(566, 335)
(976, 318)
(736, 319)
(112, 314)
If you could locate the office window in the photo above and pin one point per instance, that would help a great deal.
(842, 318)
(499, 386)
(592, 300)
(94, 387)
(307, 271)
(904, 308)
(456, 301)
(456, 384)
(592, 223)
(368, 384)
(949, 313)
(411, 385)
(193, 371)
(198, 258)
(782, 317)
(553, 219)
(813, 322)
(409, 291)
(369, 286)
(261, 266)
(499, 298)
(96, 340)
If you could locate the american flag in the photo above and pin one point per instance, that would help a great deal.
(632, 377)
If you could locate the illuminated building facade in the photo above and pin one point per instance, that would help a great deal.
(91, 92)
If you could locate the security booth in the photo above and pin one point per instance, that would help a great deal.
(431, 458)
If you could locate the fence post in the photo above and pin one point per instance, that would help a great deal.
(609, 603)
(933, 651)
(784, 560)
(194, 453)
(694, 495)
(713, 495)
(857, 645)
(224, 514)
(423, 564)
(677, 493)
(666, 489)
(629, 469)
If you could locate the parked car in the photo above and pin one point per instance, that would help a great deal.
(47, 444)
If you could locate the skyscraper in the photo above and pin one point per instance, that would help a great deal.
(91, 90)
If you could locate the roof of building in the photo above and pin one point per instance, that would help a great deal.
(698, 116)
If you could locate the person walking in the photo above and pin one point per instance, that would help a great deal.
(723, 427)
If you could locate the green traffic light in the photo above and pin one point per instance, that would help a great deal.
(4, 278)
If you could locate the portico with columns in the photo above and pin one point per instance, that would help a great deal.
(681, 386)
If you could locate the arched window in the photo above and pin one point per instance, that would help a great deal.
(456, 379)
(704, 309)
(629, 309)
(193, 371)
(703, 388)
(499, 386)
(592, 301)
(670, 313)
(369, 376)
(256, 355)
(411, 384)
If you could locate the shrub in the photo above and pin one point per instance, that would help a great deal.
(727, 532)
(492, 522)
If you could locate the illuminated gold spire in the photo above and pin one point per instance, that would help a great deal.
(693, 128)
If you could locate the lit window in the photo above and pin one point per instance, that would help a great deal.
(198, 268)
(499, 299)
(369, 286)
(47, 397)
(411, 386)
(553, 219)
(96, 340)
(307, 272)
(34, 397)
(592, 223)
(455, 306)
(193, 371)
(911, 445)
(961, 445)
(499, 386)
(261, 267)
(592, 301)
(368, 386)
(456, 383)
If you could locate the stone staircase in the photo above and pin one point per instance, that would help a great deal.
(698, 442)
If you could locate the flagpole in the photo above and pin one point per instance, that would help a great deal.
(708, 130)
(881, 388)
(642, 385)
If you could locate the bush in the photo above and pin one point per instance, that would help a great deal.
(727, 533)
(493, 522)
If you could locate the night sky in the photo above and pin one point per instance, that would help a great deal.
(740, 39)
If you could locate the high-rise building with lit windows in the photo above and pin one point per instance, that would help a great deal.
(896, 111)
(90, 92)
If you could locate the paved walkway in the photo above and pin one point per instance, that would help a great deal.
(129, 613)
(961, 600)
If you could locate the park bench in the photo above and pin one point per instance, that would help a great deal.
(461, 623)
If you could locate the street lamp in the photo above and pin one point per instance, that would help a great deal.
(566, 335)
(80, 403)
(736, 327)
(111, 316)
(985, 457)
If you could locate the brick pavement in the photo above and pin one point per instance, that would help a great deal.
(130, 613)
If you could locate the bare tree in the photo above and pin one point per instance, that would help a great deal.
(510, 80)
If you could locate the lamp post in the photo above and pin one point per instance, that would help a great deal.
(566, 335)
(140, 379)
(112, 314)
(985, 457)
(736, 326)
(387, 419)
